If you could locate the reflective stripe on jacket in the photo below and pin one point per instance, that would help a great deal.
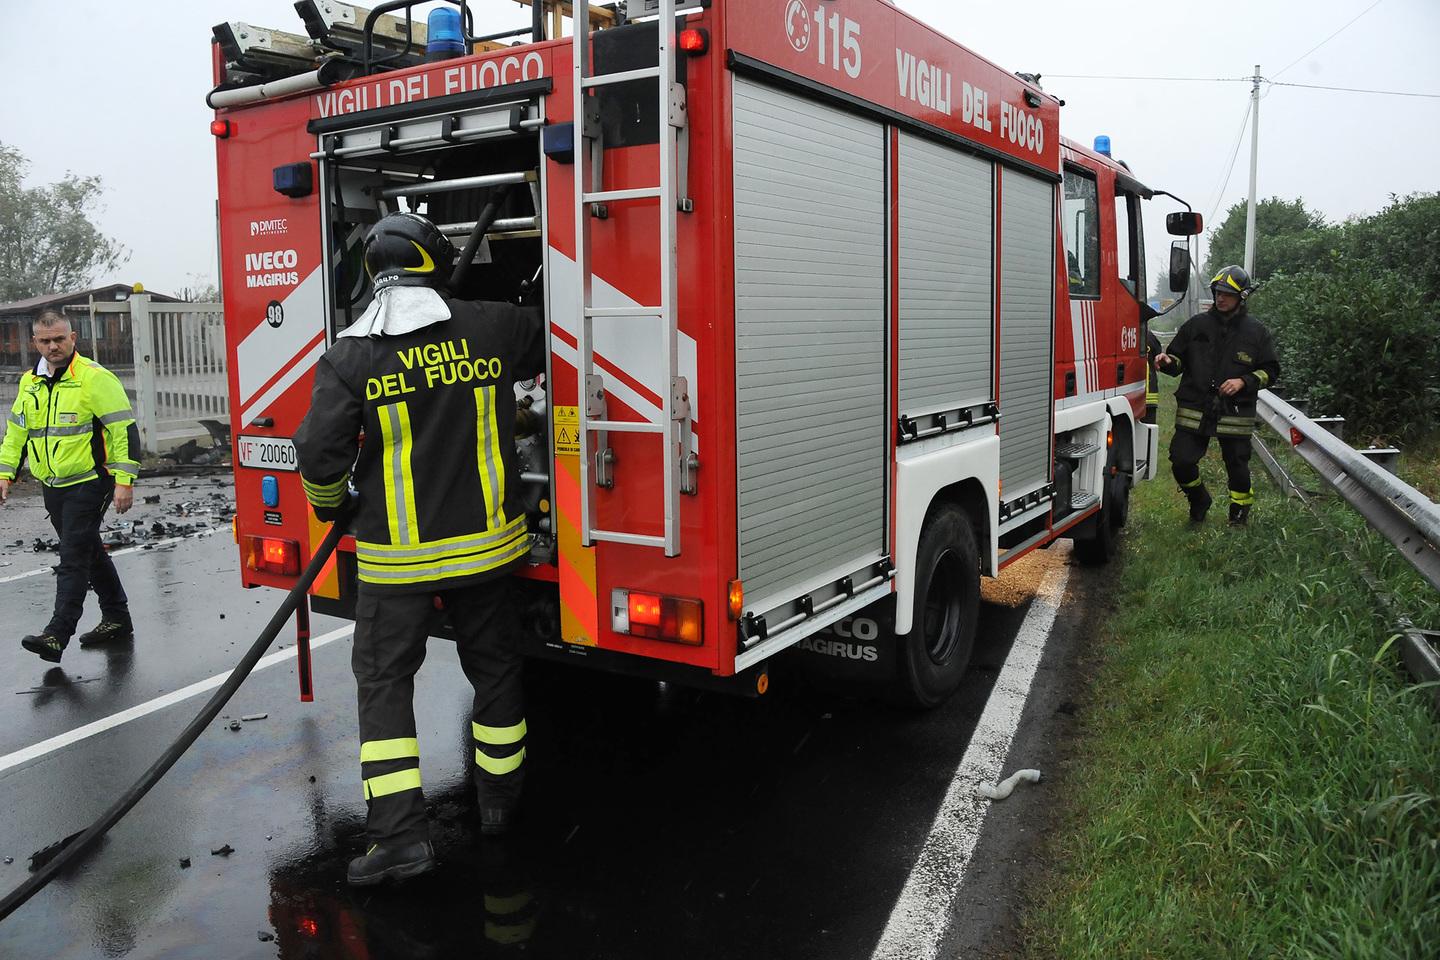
(438, 481)
(72, 428)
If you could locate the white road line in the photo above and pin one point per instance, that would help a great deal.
(159, 703)
(117, 553)
(921, 916)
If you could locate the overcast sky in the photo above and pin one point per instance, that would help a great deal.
(125, 100)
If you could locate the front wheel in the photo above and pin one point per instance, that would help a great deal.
(933, 656)
(1114, 511)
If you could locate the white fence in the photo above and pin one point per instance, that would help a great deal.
(177, 377)
(179, 369)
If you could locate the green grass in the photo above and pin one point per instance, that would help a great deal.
(1255, 775)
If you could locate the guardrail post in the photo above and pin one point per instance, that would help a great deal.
(1335, 425)
(142, 335)
(1387, 458)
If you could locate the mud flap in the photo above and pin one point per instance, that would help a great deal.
(856, 653)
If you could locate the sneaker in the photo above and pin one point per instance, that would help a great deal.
(1239, 514)
(46, 646)
(107, 631)
(399, 861)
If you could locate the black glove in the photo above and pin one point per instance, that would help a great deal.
(341, 512)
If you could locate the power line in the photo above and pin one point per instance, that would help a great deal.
(1107, 76)
(1386, 93)
(1239, 139)
(1331, 37)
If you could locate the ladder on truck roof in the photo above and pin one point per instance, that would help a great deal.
(674, 427)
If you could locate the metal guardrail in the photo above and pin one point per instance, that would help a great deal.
(1396, 510)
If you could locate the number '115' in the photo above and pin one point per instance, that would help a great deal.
(849, 39)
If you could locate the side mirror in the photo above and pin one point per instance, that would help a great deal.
(1180, 264)
(1185, 224)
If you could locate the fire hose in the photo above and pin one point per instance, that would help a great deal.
(76, 844)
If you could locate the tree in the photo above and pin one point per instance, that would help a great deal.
(48, 239)
(1288, 238)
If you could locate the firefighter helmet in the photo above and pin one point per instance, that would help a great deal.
(405, 249)
(1232, 279)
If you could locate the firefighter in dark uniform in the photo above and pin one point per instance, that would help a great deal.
(1224, 358)
(429, 381)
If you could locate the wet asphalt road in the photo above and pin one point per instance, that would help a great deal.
(660, 822)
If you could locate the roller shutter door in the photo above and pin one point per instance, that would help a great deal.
(1027, 303)
(947, 278)
(810, 339)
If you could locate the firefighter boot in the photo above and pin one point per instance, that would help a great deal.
(1200, 501)
(392, 861)
(1240, 503)
(46, 646)
(107, 631)
(495, 821)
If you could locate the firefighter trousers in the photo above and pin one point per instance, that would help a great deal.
(1188, 446)
(75, 513)
(390, 636)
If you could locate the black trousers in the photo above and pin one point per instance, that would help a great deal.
(75, 512)
(390, 635)
(1186, 449)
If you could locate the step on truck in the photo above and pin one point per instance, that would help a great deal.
(838, 322)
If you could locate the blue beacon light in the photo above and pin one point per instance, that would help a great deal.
(1102, 145)
(270, 491)
(443, 36)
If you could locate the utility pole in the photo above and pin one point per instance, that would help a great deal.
(1254, 163)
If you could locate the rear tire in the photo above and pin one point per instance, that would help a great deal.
(933, 656)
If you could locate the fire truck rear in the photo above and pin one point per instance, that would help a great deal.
(838, 323)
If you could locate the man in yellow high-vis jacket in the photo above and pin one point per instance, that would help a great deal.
(72, 423)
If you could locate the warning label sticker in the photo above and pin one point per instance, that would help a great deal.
(567, 431)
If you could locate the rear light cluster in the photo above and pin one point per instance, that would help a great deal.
(656, 617)
(272, 555)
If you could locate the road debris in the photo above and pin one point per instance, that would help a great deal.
(254, 716)
(9, 860)
(265, 936)
(184, 863)
(1005, 787)
(234, 724)
(224, 851)
(153, 498)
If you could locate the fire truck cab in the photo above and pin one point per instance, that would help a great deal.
(838, 322)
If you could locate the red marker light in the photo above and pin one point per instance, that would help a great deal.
(221, 128)
(694, 40)
(644, 610)
(308, 927)
(273, 555)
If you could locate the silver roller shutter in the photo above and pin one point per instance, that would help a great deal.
(810, 339)
(1027, 302)
(947, 278)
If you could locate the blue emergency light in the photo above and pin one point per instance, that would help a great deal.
(270, 491)
(1102, 145)
(443, 37)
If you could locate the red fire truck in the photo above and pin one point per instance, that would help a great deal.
(838, 322)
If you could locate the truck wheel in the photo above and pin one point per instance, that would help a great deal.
(1114, 509)
(933, 656)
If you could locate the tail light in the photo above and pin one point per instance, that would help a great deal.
(273, 555)
(656, 616)
(221, 129)
(694, 40)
